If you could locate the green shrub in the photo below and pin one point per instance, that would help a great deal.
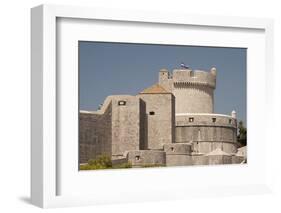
(103, 162)
(122, 165)
(85, 167)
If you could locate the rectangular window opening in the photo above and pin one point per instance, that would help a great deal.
(121, 103)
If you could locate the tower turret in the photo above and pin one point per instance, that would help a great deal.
(233, 114)
(193, 90)
(163, 76)
(165, 80)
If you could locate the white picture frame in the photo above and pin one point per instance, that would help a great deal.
(44, 148)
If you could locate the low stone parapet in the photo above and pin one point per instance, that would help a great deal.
(178, 149)
(146, 158)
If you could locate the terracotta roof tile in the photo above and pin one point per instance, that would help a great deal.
(155, 89)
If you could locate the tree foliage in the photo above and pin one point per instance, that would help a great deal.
(242, 134)
(103, 162)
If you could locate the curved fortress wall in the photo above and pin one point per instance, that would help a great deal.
(185, 92)
(207, 132)
(195, 122)
(193, 90)
(170, 123)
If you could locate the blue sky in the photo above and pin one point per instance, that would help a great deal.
(122, 68)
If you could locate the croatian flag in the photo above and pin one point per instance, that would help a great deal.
(184, 66)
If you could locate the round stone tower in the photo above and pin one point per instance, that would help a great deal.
(196, 123)
(194, 90)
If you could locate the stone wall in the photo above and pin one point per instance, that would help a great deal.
(242, 151)
(219, 159)
(126, 123)
(178, 154)
(207, 132)
(165, 80)
(199, 160)
(143, 126)
(174, 126)
(205, 119)
(208, 146)
(195, 77)
(193, 98)
(187, 134)
(94, 134)
(193, 90)
(159, 119)
(238, 159)
(143, 158)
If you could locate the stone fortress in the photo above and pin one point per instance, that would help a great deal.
(171, 123)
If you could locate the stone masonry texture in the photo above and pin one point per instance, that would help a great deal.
(171, 123)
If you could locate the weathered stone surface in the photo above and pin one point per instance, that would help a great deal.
(126, 131)
(193, 90)
(178, 149)
(238, 159)
(160, 116)
(200, 160)
(171, 123)
(219, 159)
(95, 134)
(207, 131)
(142, 158)
(178, 160)
(242, 152)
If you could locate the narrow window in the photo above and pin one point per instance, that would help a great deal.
(172, 149)
(137, 157)
(230, 121)
(191, 119)
(121, 103)
(191, 74)
(151, 113)
(214, 120)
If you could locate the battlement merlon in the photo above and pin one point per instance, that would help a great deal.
(188, 76)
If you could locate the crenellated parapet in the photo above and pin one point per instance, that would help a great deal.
(193, 89)
(206, 119)
(188, 78)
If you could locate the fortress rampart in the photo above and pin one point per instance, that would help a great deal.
(95, 134)
(193, 99)
(160, 121)
(127, 125)
(196, 77)
(207, 132)
(126, 122)
(205, 119)
(146, 158)
(170, 123)
(193, 90)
